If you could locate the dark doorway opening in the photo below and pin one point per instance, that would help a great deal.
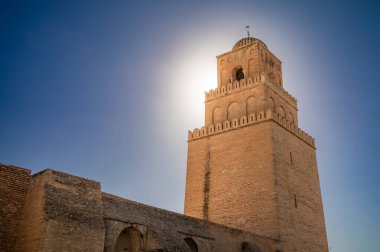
(129, 240)
(192, 245)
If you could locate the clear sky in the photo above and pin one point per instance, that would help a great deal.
(108, 89)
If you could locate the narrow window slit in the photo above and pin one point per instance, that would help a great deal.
(291, 158)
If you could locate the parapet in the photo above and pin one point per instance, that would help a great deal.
(249, 120)
(55, 178)
(249, 82)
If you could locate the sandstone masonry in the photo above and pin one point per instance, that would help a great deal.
(55, 211)
(250, 167)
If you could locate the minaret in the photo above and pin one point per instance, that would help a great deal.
(250, 167)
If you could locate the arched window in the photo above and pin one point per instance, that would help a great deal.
(192, 245)
(129, 240)
(239, 74)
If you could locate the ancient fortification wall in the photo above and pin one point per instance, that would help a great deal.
(167, 231)
(55, 211)
(14, 182)
(62, 211)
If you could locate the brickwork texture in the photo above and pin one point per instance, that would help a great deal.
(250, 167)
(14, 182)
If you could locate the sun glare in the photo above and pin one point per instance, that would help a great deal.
(195, 73)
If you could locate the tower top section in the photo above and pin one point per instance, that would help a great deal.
(249, 58)
(246, 41)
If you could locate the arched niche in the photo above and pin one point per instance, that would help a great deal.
(271, 104)
(271, 78)
(281, 111)
(279, 79)
(251, 68)
(129, 240)
(191, 244)
(251, 105)
(291, 118)
(225, 79)
(233, 111)
(217, 115)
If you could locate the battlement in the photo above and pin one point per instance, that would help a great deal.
(249, 120)
(247, 83)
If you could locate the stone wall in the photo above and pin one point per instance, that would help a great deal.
(163, 230)
(261, 177)
(55, 211)
(301, 218)
(242, 181)
(33, 232)
(14, 182)
(63, 212)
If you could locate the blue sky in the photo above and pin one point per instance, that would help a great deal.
(108, 89)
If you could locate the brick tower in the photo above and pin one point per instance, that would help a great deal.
(250, 167)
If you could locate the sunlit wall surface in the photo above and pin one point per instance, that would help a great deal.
(107, 90)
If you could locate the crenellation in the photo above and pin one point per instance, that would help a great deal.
(249, 83)
(294, 129)
(227, 125)
(251, 119)
(219, 128)
(243, 120)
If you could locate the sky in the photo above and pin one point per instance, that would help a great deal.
(107, 90)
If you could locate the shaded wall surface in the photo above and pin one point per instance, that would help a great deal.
(62, 213)
(55, 211)
(14, 182)
(168, 231)
(301, 218)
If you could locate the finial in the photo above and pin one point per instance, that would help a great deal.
(247, 28)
